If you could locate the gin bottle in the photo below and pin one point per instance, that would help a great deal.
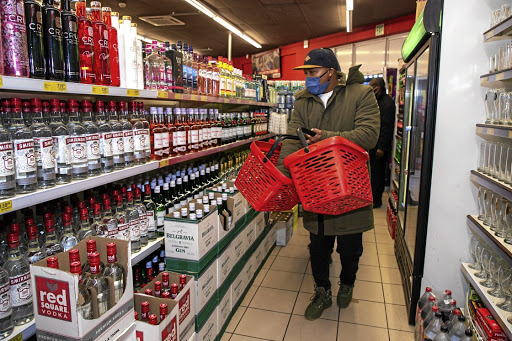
(92, 138)
(18, 269)
(115, 270)
(34, 253)
(5, 305)
(84, 297)
(97, 281)
(60, 135)
(133, 223)
(77, 143)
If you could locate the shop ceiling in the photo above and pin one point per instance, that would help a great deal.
(271, 23)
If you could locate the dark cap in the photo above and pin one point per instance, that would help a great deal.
(323, 57)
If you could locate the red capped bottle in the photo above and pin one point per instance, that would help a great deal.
(115, 270)
(101, 46)
(144, 309)
(85, 44)
(112, 47)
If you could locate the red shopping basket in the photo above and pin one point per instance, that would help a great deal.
(331, 176)
(261, 183)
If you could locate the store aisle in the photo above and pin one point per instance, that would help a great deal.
(273, 309)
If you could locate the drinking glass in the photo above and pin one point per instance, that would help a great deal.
(481, 251)
(487, 207)
(504, 163)
(487, 259)
(499, 104)
(489, 99)
(473, 248)
(481, 203)
(482, 150)
(496, 211)
(496, 160)
(496, 272)
(506, 209)
(502, 64)
(506, 285)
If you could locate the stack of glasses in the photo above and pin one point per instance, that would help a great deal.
(495, 160)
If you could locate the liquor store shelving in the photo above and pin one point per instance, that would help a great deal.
(31, 85)
(501, 31)
(499, 79)
(40, 196)
(498, 244)
(147, 250)
(23, 332)
(494, 185)
(490, 302)
(494, 130)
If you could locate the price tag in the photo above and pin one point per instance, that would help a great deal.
(99, 90)
(162, 94)
(132, 92)
(194, 97)
(204, 98)
(490, 131)
(55, 86)
(178, 96)
(164, 163)
(5, 206)
(500, 76)
(18, 337)
(1, 82)
(510, 134)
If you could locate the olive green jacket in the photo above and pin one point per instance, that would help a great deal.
(352, 112)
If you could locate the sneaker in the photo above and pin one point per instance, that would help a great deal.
(344, 295)
(320, 301)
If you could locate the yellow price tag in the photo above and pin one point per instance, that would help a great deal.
(490, 131)
(500, 76)
(99, 90)
(132, 92)
(510, 134)
(162, 94)
(55, 86)
(5, 206)
(204, 98)
(164, 163)
(194, 97)
(1, 82)
(178, 96)
(18, 337)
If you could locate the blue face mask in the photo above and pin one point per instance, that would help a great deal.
(313, 84)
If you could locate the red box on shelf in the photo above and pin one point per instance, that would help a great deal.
(493, 331)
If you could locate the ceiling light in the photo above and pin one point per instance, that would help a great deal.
(349, 21)
(201, 7)
(228, 25)
(350, 5)
(147, 40)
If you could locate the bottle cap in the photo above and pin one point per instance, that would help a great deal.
(111, 253)
(206, 209)
(13, 240)
(127, 17)
(192, 206)
(224, 196)
(49, 225)
(192, 216)
(163, 308)
(166, 294)
(153, 319)
(435, 309)
(468, 332)
(74, 255)
(448, 292)
(183, 279)
(199, 214)
(75, 268)
(91, 245)
(176, 214)
(444, 329)
(15, 228)
(431, 298)
(438, 314)
(66, 219)
(144, 306)
(149, 292)
(97, 209)
(32, 232)
(219, 201)
(84, 214)
(158, 286)
(52, 262)
(165, 279)
(129, 196)
(166, 186)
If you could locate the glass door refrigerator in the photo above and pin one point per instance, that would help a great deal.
(420, 52)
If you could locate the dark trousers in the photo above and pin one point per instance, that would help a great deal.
(378, 177)
(350, 248)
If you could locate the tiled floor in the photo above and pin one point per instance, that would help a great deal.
(273, 309)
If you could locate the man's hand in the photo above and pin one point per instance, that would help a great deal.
(379, 154)
(316, 138)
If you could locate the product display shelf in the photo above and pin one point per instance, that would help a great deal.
(490, 302)
(499, 79)
(494, 130)
(494, 185)
(147, 250)
(501, 31)
(498, 244)
(396, 184)
(23, 332)
(26, 200)
(51, 87)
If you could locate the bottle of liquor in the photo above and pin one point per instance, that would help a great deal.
(154, 68)
(145, 311)
(14, 39)
(70, 42)
(143, 218)
(130, 42)
(165, 133)
(169, 122)
(143, 118)
(86, 229)
(139, 136)
(26, 168)
(91, 248)
(116, 23)
(105, 130)
(133, 222)
(113, 47)
(140, 60)
(181, 133)
(84, 297)
(6, 325)
(117, 136)
(34, 252)
(43, 146)
(101, 46)
(67, 239)
(167, 79)
(34, 21)
(85, 44)
(7, 168)
(52, 25)
(155, 136)
(51, 246)
(97, 281)
(60, 135)
(122, 219)
(77, 143)
(150, 213)
(160, 212)
(92, 138)
(18, 269)
(127, 134)
(98, 226)
(115, 270)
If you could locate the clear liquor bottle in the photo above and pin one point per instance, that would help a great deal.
(109, 220)
(165, 133)
(68, 238)
(18, 269)
(26, 168)
(117, 136)
(7, 168)
(143, 218)
(160, 212)
(133, 222)
(127, 134)
(122, 219)
(150, 213)
(145, 122)
(97, 281)
(43, 145)
(92, 138)
(6, 325)
(60, 135)
(34, 252)
(51, 245)
(154, 69)
(98, 225)
(91, 248)
(139, 135)
(84, 297)
(105, 131)
(86, 229)
(115, 270)
(77, 143)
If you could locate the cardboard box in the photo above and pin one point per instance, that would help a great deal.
(56, 295)
(190, 239)
(209, 330)
(193, 337)
(224, 309)
(206, 286)
(166, 330)
(259, 224)
(249, 235)
(493, 331)
(249, 270)
(225, 263)
(237, 288)
(259, 255)
(239, 246)
(284, 229)
(236, 204)
(186, 302)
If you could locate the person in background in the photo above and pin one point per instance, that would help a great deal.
(379, 155)
(332, 105)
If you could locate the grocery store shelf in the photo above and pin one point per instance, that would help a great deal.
(494, 130)
(23, 332)
(51, 87)
(499, 32)
(498, 244)
(26, 200)
(147, 250)
(490, 302)
(491, 183)
(500, 79)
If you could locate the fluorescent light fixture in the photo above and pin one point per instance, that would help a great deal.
(349, 21)
(147, 40)
(223, 22)
(350, 5)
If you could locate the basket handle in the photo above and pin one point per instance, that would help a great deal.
(278, 141)
(302, 138)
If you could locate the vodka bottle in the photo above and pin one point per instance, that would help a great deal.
(117, 136)
(25, 161)
(77, 143)
(101, 46)
(43, 146)
(133, 222)
(97, 281)
(68, 238)
(145, 122)
(120, 49)
(165, 133)
(98, 225)
(150, 213)
(60, 135)
(115, 270)
(130, 53)
(34, 22)
(34, 252)
(6, 325)
(112, 47)
(14, 39)
(51, 246)
(86, 229)
(85, 44)
(168, 81)
(92, 138)
(122, 219)
(70, 42)
(7, 166)
(105, 130)
(91, 248)
(84, 297)
(52, 25)
(140, 137)
(143, 218)
(18, 269)
(127, 134)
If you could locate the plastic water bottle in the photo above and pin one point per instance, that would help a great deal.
(458, 329)
(443, 334)
(434, 328)
(468, 335)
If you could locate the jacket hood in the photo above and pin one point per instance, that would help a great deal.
(354, 77)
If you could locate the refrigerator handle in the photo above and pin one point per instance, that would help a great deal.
(406, 150)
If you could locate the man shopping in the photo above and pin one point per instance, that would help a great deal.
(333, 106)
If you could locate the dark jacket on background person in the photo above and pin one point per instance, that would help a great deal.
(351, 112)
(387, 124)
